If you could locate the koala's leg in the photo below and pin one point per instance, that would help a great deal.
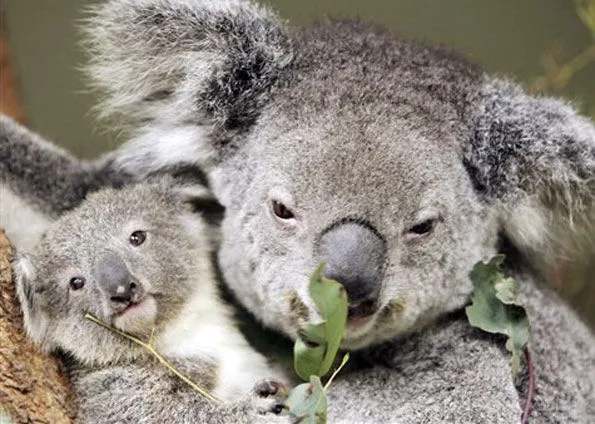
(152, 394)
(450, 374)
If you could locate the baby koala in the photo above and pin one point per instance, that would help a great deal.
(139, 259)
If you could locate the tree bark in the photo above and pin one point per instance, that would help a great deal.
(32, 389)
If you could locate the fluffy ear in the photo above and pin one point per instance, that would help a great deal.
(35, 317)
(184, 61)
(534, 158)
(198, 199)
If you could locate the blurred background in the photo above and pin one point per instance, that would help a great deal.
(548, 45)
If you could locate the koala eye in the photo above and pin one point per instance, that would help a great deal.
(137, 238)
(77, 283)
(281, 211)
(423, 228)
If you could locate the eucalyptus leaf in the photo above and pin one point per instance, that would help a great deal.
(318, 343)
(307, 402)
(494, 307)
(313, 334)
(330, 299)
(307, 359)
(315, 349)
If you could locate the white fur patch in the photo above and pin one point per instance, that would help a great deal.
(161, 147)
(526, 224)
(204, 329)
(24, 224)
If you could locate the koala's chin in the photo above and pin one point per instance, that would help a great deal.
(137, 318)
(360, 335)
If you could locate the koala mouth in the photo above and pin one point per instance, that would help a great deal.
(362, 310)
(360, 317)
(137, 316)
(136, 304)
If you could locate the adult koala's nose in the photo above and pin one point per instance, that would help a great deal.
(118, 282)
(354, 255)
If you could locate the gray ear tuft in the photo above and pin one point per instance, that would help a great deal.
(184, 61)
(535, 159)
(35, 319)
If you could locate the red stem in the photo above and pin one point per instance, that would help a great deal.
(531, 388)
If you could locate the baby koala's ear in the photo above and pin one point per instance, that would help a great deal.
(32, 301)
(199, 199)
(198, 212)
(187, 193)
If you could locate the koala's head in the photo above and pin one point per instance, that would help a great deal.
(395, 164)
(131, 257)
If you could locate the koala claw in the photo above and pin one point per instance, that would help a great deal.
(268, 396)
(268, 387)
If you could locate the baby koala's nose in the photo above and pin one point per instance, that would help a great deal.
(354, 255)
(119, 283)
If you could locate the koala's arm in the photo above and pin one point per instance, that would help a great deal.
(39, 180)
(132, 393)
(38, 172)
(448, 374)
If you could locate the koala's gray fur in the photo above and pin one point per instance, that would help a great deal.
(39, 181)
(172, 300)
(367, 140)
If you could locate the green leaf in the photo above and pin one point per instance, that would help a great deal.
(313, 334)
(317, 344)
(494, 307)
(330, 299)
(307, 402)
(307, 359)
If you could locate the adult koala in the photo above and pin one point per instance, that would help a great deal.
(397, 164)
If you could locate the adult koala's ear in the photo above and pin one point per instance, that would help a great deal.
(35, 316)
(533, 158)
(182, 62)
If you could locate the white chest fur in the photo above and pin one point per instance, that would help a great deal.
(205, 329)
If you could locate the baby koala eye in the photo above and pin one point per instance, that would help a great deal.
(137, 238)
(281, 211)
(423, 228)
(77, 283)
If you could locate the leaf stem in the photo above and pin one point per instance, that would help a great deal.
(531, 388)
(156, 354)
(339, 368)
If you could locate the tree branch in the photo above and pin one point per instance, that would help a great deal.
(31, 386)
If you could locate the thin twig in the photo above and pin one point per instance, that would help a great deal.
(559, 76)
(530, 389)
(156, 354)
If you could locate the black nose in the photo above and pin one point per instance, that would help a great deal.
(354, 255)
(113, 275)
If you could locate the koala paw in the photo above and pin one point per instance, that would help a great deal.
(268, 396)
